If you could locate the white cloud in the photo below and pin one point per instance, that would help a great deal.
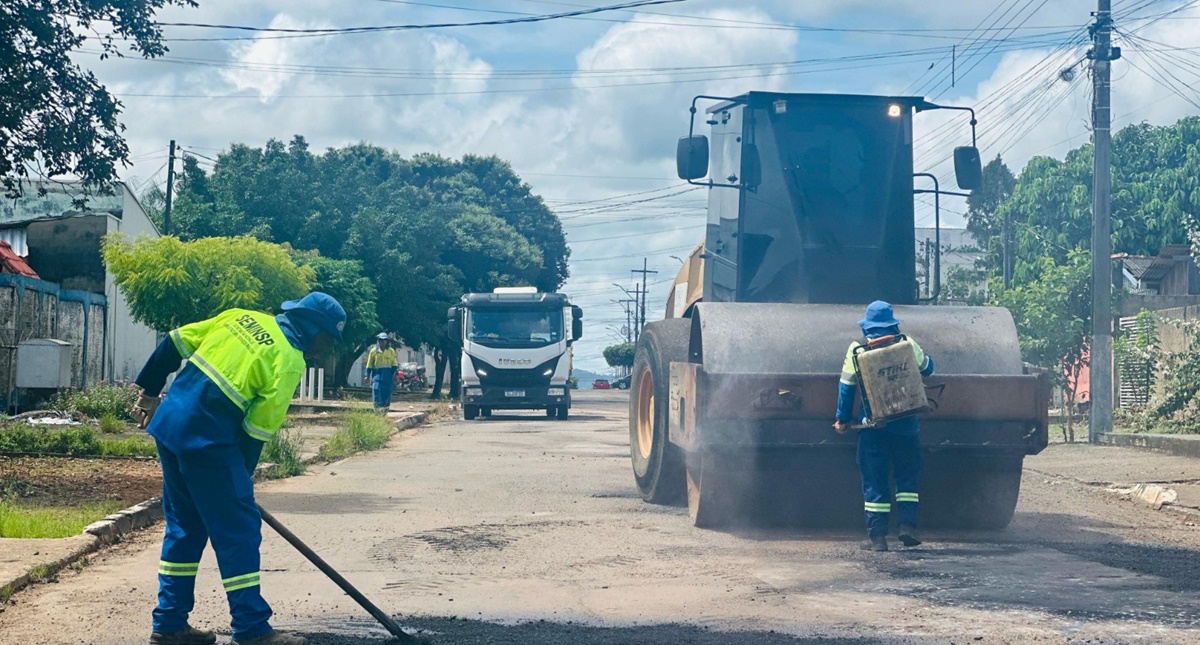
(576, 139)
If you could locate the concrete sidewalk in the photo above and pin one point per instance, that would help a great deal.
(1118, 467)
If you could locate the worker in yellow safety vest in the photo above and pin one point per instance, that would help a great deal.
(240, 370)
(381, 366)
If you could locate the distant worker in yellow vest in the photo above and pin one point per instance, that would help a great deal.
(381, 366)
(241, 371)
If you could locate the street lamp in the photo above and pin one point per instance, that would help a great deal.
(676, 257)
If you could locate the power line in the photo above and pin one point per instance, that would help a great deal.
(337, 31)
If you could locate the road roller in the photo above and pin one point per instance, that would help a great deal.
(810, 217)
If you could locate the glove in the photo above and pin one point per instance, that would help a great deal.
(143, 411)
(840, 426)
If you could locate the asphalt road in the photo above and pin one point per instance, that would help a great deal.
(525, 530)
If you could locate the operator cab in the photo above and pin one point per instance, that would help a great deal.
(821, 206)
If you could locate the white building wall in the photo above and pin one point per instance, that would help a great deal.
(128, 344)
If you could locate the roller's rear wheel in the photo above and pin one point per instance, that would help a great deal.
(658, 465)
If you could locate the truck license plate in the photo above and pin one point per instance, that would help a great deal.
(514, 393)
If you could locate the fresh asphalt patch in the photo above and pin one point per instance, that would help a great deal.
(451, 631)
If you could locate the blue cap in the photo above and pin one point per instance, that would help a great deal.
(879, 315)
(322, 309)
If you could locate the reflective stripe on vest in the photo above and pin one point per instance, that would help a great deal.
(246, 355)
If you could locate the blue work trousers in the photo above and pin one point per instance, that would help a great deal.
(208, 496)
(883, 452)
(383, 381)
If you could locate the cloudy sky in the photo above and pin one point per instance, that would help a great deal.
(588, 109)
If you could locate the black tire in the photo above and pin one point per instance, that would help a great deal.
(485, 412)
(977, 493)
(658, 468)
(563, 412)
(551, 412)
(470, 412)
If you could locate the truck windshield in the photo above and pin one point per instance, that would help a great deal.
(515, 327)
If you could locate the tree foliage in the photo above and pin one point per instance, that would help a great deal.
(55, 116)
(1053, 317)
(984, 203)
(171, 283)
(619, 355)
(1156, 185)
(424, 229)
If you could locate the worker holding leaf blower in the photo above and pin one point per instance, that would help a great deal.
(242, 368)
(887, 366)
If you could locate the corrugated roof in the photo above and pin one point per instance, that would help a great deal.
(1137, 265)
(10, 262)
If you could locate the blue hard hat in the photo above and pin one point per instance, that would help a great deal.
(321, 308)
(879, 315)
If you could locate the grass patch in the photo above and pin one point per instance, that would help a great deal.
(74, 442)
(363, 430)
(110, 424)
(50, 521)
(283, 453)
(130, 447)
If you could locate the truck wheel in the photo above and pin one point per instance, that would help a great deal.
(551, 412)
(658, 465)
(470, 412)
(563, 412)
(977, 493)
(485, 412)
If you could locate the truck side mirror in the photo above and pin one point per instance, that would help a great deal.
(691, 157)
(576, 323)
(967, 168)
(454, 324)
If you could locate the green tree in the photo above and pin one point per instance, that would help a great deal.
(344, 280)
(1053, 317)
(983, 204)
(1156, 184)
(619, 355)
(965, 286)
(425, 229)
(55, 116)
(171, 283)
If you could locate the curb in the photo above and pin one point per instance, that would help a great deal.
(111, 528)
(99, 534)
(411, 421)
(1181, 446)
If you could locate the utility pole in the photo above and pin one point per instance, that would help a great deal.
(645, 272)
(628, 322)
(638, 314)
(1100, 387)
(170, 189)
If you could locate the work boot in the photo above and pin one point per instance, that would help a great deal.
(875, 543)
(187, 636)
(272, 638)
(908, 535)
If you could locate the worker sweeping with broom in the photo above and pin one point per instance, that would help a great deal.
(242, 368)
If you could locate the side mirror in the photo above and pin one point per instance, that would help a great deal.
(751, 166)
(454, 324)
(968, 170)
(576, 323)
(691, 157)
